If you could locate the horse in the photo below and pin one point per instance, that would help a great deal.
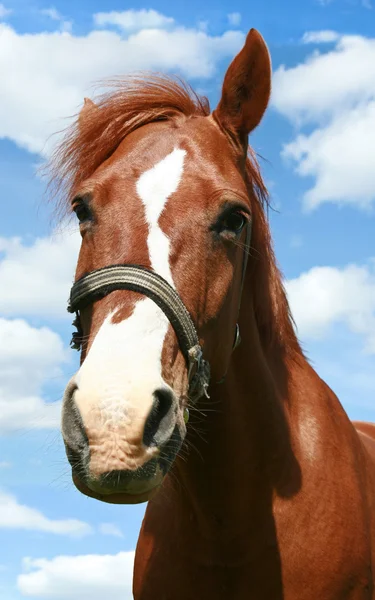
(193, 392)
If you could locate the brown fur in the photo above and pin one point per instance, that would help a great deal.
(273, 496)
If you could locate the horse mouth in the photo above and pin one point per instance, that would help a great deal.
(116, 497)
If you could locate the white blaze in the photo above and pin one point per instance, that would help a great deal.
(123, 367)
(154, 188)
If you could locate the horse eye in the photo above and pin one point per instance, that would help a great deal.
(234, 222)
(82, 210)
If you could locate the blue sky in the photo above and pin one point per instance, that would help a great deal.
(318, 141)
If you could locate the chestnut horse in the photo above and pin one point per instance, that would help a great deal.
(268, 492)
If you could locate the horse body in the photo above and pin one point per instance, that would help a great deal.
(231, 535)
(271, 497)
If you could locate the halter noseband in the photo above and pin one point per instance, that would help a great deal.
(101, 282)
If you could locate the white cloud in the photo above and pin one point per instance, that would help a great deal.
(110, 529)
(57, 68)
(320, 37)
(29, 357)
(324, 296)
(327, 83)
(133, 20)
(234, 19)
(335, 93)
(14, 515)
(342, 158)
(36, 279)
(86, 577)
(203, 26)
(5, 464)
(27, 412)
(52, 13)
(4, 12)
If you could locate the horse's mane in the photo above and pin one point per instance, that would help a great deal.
(136, 101)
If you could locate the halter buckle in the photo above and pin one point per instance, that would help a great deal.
(195, 359)
(198, 373)
(76, 341)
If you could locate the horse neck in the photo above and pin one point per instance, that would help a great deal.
(240, 449)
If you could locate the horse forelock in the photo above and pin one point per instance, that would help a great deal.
(130, 103)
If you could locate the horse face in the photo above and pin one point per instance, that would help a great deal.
(173, 197)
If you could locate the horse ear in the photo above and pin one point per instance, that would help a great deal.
(88, 108)
(246, 89)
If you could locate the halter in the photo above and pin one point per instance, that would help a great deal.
(99, 283)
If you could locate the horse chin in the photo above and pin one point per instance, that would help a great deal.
(116, 497)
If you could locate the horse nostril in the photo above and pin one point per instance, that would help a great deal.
(72, 425)
(158, 421)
